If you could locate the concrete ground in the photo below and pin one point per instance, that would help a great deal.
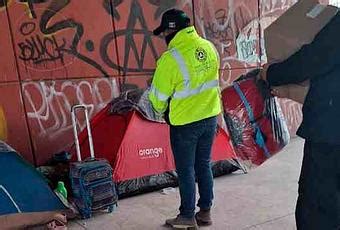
(263, 199)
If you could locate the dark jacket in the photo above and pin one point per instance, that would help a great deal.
(319, 62)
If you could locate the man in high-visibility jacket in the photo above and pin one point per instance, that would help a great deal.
(186, 83)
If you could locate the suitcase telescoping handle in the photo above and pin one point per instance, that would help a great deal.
(75, 132)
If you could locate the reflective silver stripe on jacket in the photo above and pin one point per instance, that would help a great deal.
(187, 92)
(160, 96)
(182, 66)
(190, 92)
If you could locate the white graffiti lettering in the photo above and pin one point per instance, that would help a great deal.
(49, 103)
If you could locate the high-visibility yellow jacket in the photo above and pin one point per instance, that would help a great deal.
(187, 74)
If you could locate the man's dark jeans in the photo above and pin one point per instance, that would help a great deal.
(191, 145)
(318, 205)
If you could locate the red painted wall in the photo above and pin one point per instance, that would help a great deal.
(55, 53)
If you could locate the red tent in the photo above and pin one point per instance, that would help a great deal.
(140, 153)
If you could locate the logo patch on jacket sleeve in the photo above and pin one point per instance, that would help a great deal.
(201, 54)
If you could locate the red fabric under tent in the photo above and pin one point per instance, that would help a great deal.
(140, 153)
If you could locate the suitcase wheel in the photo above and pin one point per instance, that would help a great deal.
(111, 208)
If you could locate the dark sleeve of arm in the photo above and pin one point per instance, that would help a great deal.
(311, 61)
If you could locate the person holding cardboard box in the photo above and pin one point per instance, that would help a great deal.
(318, 205)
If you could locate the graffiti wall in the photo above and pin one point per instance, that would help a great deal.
(56, 53)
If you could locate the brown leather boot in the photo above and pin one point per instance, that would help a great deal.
(182, 223)
(203, 217)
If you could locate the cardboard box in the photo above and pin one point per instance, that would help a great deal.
(296, 27)
(295, 92)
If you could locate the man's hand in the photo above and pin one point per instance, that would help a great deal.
(263, 72)
(275, 92)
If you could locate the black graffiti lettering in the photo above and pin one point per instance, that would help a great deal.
(136, 14)
(44, 49)
(27, 50)
(162, 6)
(31, 7)
(111, 8)
(27, 28)
(53, 49)
(129, 46)
(52, 10)
(104, 48)
(89, 45)
(39, 50)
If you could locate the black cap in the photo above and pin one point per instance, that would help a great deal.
(173, 19)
